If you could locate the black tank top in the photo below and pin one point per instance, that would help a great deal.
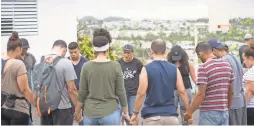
(185, 72)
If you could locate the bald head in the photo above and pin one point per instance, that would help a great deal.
(158, 46)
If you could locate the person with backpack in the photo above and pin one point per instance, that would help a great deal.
(55, 87)
(15, 91)
(180, 58)
(101, 88)
(237, 112)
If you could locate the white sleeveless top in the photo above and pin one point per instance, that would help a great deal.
(249, 75)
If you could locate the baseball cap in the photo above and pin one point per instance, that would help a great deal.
(175, 51)
(216, 44)
(248, 36)
(128, 47)
(25, 43)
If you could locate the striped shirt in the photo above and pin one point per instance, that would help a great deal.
(217, 75)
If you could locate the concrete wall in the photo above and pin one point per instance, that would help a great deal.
(56, 20)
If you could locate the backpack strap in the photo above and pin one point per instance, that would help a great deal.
(3, 65)
(42, 58)
(57, 59)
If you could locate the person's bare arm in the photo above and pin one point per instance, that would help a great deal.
(249, 90)
(198, 99)
(193, 73)
(72, 91)
(143, 85)
(230, 94)
(24, 88)
(181, 89)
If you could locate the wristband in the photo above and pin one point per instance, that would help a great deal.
(136, 113)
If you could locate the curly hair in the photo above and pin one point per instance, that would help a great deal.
(102, 32)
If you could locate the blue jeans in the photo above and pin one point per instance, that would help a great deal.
(112, 119)
(180, 101)
(213, 118)
(131, 103)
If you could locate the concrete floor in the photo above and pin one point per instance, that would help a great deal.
(36, 119)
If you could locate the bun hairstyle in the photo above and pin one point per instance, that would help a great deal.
(13, 41)
(250, 51)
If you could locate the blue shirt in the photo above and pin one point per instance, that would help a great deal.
(78, 68)
(160, 92)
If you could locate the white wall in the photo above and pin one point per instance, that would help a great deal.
(56, 20)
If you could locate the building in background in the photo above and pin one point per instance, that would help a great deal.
(41, 22)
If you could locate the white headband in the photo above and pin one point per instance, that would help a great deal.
(102, 48)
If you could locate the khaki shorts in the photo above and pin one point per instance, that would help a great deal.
(161, 120)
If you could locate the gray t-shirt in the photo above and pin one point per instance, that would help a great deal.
(238, 98)
(14, 69)
(65, 72)
(29, 61)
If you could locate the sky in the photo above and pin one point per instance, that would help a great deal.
(165, 9)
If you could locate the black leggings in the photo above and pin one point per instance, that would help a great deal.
(12, 117)
(250, 116)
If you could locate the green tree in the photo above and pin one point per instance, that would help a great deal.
(86, 48)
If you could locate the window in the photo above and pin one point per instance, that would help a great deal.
(20, 16)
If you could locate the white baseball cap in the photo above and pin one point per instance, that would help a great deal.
(248, 36)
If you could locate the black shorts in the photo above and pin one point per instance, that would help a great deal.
(250, 116)
(12, 117)
(58, 117)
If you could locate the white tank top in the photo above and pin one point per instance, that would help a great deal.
(249, 75)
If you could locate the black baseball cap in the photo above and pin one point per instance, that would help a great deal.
(176, 53)
(25, 43)
(128, 47)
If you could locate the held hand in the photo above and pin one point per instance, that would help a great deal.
(78, 117)
(133, 119)
(188, 117)
(125, 116)
(37, 113)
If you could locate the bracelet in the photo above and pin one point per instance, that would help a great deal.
(136, 113)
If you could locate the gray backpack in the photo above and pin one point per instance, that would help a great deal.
(48, 91)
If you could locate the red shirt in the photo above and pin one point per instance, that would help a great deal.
(217, 75)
